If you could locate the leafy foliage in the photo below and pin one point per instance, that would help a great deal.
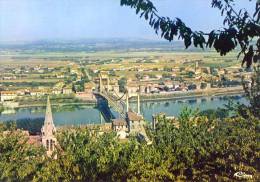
(252, 90)
(200, 149)
(19, 161)
(240, 29)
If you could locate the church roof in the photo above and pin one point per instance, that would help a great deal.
(48, 128)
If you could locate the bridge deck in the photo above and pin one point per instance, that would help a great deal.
(118, 105)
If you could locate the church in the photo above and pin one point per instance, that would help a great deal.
(48, 131)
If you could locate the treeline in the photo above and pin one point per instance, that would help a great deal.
(31, 84)
(200, 149)
(32, 125)
(62, 98)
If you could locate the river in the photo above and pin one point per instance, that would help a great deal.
(87, 114)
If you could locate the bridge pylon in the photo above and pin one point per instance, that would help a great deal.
(108, 84)
(127, 101)
(100, 83)
(138, 103)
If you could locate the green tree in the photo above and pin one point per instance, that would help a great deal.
(19, 161)
(191, 74)
(122, 83)
(240, 28)
(252, 91)
(167, 69)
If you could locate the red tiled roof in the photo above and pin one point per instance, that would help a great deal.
(32, 139)
(132, 116)
(119, 122)
(8, 92)
(35, 140)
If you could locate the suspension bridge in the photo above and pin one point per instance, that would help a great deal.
(106, 96)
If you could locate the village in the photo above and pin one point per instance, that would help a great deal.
(151, 80)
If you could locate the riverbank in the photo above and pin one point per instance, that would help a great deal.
(60, 100)
(93, 103)
(190, 94)
(151, 97)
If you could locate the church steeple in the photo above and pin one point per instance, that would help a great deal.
(48, 130)
(48, 115)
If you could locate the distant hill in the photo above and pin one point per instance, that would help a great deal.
(91, 45)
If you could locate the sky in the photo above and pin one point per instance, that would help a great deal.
(31, 20)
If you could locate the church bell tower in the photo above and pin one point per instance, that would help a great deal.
(48, 130)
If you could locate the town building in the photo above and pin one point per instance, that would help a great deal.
(89, 87)
(205, 70)
(132, 88)
(7, 95)
(135, 122)
(168, 84)
(38, 92)
(67, 90)
(142, 88)
(10, 104)
(120, 127)
(56, 91)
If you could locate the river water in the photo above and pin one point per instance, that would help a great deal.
(88, 114)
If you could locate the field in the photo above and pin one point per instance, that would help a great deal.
(107, 60)
(127, 59)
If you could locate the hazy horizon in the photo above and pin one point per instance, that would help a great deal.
(29, 20)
